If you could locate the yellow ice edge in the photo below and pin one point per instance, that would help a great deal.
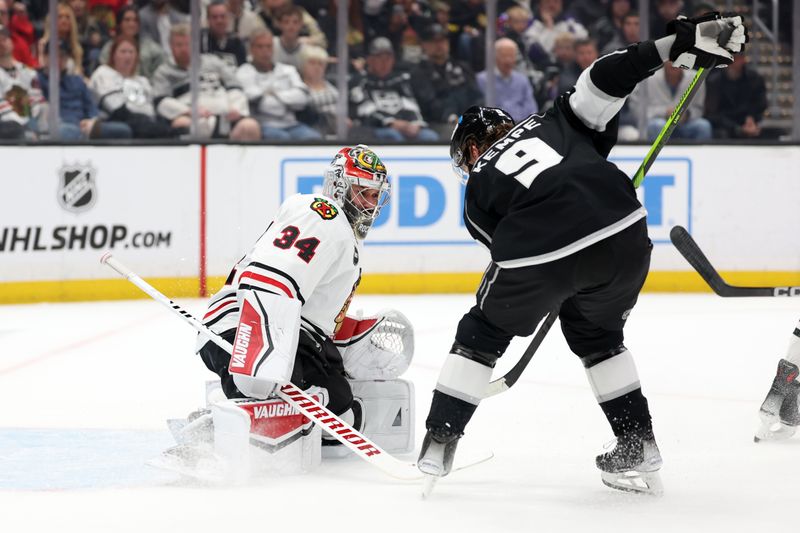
(430, 283)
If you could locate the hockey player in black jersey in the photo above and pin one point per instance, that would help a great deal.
(565, 231)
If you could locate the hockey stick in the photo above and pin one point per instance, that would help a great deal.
(689, 249)
(332, 424)
(504, 383)
(675, 117)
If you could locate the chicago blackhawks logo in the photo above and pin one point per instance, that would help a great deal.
(324, 209)
(76, 191)
(367, 160)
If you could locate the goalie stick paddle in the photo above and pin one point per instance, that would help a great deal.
(689, 249)
(332, 424)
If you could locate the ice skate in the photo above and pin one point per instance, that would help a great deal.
(779, 413)
(633, 464)
(436, 458)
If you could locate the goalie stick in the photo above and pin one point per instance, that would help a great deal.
(293, 395)
(689, 249)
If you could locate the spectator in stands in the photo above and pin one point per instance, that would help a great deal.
(564, 54)
(222, 103)
(513, 91)
(665, 11)
(517, 20)
(67, 28)
(150, 55)
(585, 53)
(322, 95)
(288, 48)
(609, 27)
(628, 36)
(155, 20)
(551, 20)
(14, 17)
(355, 28)
(275, 92)
(736, 101)
(444, 87)
(664, 91)
(469, 19)
(243, 20)
(77, 109)
(310, 32)
(216, 40)
(91, 34)
(20, 98)
(125, 96)
(383, 99)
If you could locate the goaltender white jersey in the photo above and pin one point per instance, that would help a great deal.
(308, 252)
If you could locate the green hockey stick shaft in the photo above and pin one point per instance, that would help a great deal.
(672, 122)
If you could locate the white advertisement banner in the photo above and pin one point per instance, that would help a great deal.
(738, 201)
(63, 207)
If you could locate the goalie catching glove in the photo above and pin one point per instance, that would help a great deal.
(376, 347)
(701, 41)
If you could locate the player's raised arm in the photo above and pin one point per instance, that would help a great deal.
(601, 90)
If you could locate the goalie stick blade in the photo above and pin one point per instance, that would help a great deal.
(689, 249)
(429, 481)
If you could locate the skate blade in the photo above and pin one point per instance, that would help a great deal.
(637, 482)
(772, 431)
(428, 483)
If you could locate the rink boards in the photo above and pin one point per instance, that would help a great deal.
(181, 216)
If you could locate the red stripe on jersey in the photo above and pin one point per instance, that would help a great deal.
(268, 281)
(226, 304)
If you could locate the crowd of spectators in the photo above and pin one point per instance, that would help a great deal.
(267, 68)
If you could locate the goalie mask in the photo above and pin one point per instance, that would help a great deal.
(480, 126)
(357, 182)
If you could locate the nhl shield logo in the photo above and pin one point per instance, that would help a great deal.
(76, 188)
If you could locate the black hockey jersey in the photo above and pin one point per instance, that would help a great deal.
(546, 189)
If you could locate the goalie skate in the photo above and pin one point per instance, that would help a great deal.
(633, 464)
(779, 413)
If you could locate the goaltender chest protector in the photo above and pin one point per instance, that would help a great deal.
(544, 187)
(311, 253)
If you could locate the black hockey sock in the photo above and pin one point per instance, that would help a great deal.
(628, 413)
(448, 415)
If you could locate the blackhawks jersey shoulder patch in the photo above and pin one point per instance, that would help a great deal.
(325, 209)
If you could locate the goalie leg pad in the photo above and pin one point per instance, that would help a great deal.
(265, 437)
(266, 342)
(388, 412)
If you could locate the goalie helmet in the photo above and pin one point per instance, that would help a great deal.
(478, 125)
(356, 180)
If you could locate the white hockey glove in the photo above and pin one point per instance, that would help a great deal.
(704, 42)
(376, 347)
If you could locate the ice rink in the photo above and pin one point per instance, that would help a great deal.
(85, 390)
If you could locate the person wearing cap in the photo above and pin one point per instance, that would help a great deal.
(383, 99)
(444, 87)
(77, 109)
(20, 98)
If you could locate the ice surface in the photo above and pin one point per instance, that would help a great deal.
(86, 388)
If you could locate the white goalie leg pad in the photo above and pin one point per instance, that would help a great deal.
(793, 352)
(266, 342)
(376, 347)
(388, 413)
(613, 377)
(257, 438)
(463, 378)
